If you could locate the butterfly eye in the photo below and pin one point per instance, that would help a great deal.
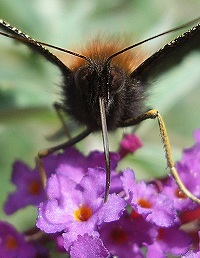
(82, 79)
(117, 79)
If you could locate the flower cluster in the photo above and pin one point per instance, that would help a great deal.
(140, 219)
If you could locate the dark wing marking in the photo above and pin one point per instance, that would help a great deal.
(168, 56)
(33, 44)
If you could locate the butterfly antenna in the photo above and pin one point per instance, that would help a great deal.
(156, 36)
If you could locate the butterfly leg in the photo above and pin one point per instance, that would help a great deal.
(152, 114)
(59, 110)
(46, 152)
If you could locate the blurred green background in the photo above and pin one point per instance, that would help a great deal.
(29, 84)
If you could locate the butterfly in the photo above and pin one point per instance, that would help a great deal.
(103, 91)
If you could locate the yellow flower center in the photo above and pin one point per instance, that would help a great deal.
(161, 234)
(35, 187)
(180, 194)
(144, 203)
(119, 236)
(83, 213)
(11, 242)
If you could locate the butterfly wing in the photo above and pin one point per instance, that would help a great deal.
(168, 56)
(33, 44)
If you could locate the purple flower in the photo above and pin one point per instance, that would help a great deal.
(189, 166)
(193, 253)
(125, 237)
(169, 241)
(77, 209)
(13, 244)
(138, 217)
(129, 144)
(181, 202)
(29, 185)
(87, 246)
(190, 215)
(75, 165)
(144, 199)
(28, 181)
(189, 171)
